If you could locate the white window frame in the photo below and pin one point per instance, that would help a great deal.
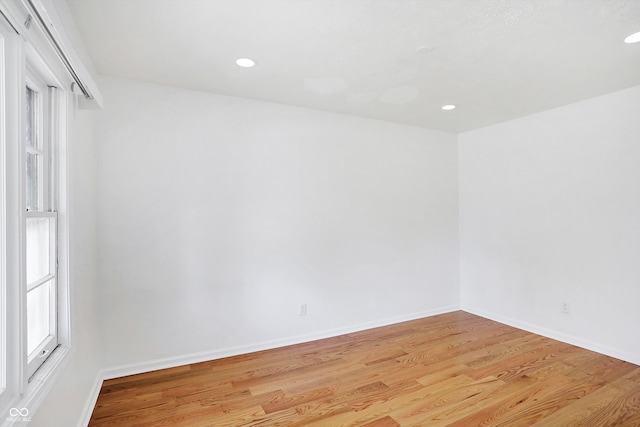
(44, 133)
(5, 33)
(9, 75)
(22, 57)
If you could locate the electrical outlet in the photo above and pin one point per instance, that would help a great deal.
(303, 310)
(565, 308)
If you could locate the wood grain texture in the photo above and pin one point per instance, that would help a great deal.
(454, 369)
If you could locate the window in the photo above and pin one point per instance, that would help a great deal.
(34, 320)
(39, 72)
(40, 221)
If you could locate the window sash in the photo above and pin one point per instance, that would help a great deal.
(39, 116)
(41, 327)
(39, 225)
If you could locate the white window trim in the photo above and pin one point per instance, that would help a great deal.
(9, 195)
(3, 231)
(21, 392)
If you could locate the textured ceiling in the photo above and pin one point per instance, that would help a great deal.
(396, 60)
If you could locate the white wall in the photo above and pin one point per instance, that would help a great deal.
(64, 404)
(219, 216)
(550, 213)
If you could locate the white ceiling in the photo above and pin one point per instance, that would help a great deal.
(495, 59)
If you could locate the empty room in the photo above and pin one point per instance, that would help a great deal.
(372, 213)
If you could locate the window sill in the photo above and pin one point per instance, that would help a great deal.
(39, 385)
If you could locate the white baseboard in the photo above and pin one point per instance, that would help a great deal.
(171, 362)
(556, 335)
(90, 403)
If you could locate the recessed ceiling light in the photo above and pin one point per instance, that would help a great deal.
(448, 107)
(633, 38)
(245, 62)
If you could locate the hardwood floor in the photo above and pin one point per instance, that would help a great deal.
(454, 369)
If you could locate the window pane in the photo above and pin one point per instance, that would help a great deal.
(31, 118)
(38, 315)
(38, 247)
(32, 181)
